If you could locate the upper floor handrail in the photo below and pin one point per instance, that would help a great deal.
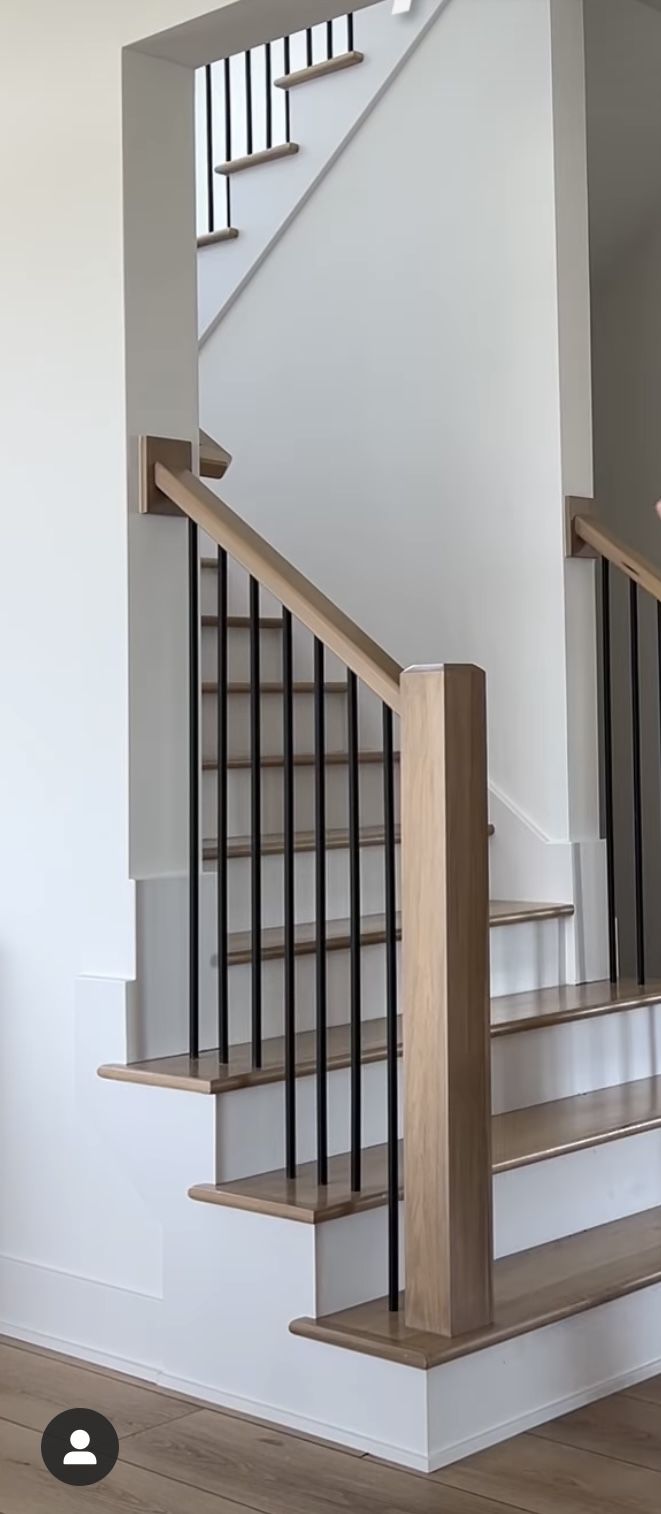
(586, 531)
(306, 602)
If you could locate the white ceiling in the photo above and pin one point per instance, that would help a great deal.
(237, 25)
(623, 61)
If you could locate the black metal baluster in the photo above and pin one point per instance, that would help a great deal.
(228, 140)
(208, 87)
(350, 32)
(354, 912)
(608, 765)
(221, 878)
(320, 870)
(269, 94)
(287, 71)
(194, 791)
(256, 823)
(329, 39)
(637, 783)
(391, 1010)
(248, 102)
(308, 47)
(289, 896)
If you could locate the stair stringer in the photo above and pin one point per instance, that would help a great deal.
(325, 117)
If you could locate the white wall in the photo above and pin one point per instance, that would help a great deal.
(623, 70)
(388, 384)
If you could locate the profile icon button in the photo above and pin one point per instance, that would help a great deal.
(79, 1447)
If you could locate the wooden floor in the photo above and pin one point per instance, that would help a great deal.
(179, 1457)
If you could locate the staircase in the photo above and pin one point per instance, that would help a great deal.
(441, 1160)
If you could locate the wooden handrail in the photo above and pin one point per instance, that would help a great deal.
(587, 532)
(335, 629)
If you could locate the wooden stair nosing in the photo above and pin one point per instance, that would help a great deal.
(208, 1075)
(321, 70)
(340, 686)
(532, 1289)
(242, 622)
(300, 759)
(259, 159)
(520, 1138)
(216, 238)
(304, 841)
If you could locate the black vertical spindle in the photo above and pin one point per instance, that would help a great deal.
(208, 90)
(608, 764)
(228, 139)
(221, 879)
(354, 912)
(329, 39)
(256, 824)
(194, 790)
(350, 32)
(269, 94)
(637, 784)
(308, 47)
(391, 1010)
(248, 61)
(320, 873)
(289, 896)
(287, 71)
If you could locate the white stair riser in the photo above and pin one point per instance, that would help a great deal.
(532, 1205)
(251, 1122)
(523, 957)
(270, 647)
(561, 1061)
(337, 887)
(337, 798)
(238, 730)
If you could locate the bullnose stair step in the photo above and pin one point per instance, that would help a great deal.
(339, 687)
(513, 1014)
(216, 238)
(519, 1138)
(258, 159)
(300, 759)
(304, 841)
(242, 622)
(319, 70)
(532, 1289)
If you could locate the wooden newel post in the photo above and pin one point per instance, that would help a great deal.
(446, 1005)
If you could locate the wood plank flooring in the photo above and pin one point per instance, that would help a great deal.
(178, 1455)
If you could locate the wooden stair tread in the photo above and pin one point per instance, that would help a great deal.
(338, 687)
(216, 238)
(258, 159)
(519, 1138)
(206, 1074)
(304, 841)
(242, 622)
(373, 930)
(301, 759)
(531, 1289)
(319, 70)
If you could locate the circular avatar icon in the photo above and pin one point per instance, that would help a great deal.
(79, 1447)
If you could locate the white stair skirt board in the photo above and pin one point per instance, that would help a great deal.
(532, 1205)
(523, 957)
(326, 116)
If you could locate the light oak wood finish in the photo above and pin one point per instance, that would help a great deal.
(541, 1478)
(36, 1387)
(577, 1001)
(624, 1427)
(588, 538)
(242, 622)
(208, 1075)
(339, 687)
(258, 159)
(445, 915)
(532, 1289)
(214, 459)
(216, 238)
(335, 629)
(304, 841)
(300, 760)
(319, 70)
(519, 1138)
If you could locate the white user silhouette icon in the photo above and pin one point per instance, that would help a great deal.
(80, 1456)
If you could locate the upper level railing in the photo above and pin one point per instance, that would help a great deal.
(624, 819)
(443, 918)
(244, 111)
